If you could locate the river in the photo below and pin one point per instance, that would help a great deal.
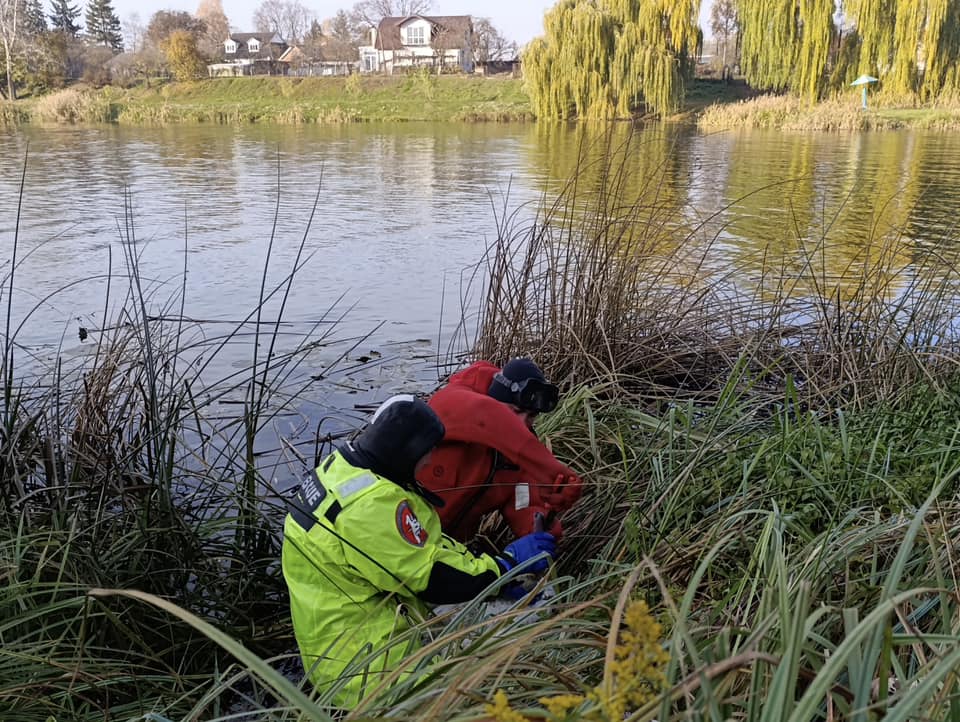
(394, 218)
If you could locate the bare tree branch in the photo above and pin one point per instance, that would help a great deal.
(489, 43)
(371, 12)
(288, 18)
(13, 39)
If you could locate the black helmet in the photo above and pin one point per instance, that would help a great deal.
(402, 430)
(522, 383)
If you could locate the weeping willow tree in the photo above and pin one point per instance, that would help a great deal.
(785, 44)
(602, 59)
(941, 48)
(875, 21)
(913, 46)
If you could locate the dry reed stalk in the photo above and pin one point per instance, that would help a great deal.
(598, 288)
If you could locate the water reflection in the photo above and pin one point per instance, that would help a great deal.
(402, 210)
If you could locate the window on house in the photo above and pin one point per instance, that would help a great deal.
(416, 36)
(230, 47)
(254, 46)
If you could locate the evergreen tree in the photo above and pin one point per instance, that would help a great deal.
(34, 20)
(64, 18)
(603, 58)
(103, 25)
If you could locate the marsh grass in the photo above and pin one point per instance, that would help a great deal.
(126, 472)
(778, 487)
(12, 113)
(75, 105)
(844, 113)
(606, 284)
(772, 474)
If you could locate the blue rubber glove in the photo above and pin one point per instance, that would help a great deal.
(518, 553)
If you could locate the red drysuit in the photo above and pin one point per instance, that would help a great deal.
(489, 460)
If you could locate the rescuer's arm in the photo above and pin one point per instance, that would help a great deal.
(479, 419)
(403, 550)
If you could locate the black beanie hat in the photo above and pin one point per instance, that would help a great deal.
(402, 430)
(518, 369)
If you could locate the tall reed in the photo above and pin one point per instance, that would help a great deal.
(123, 472)
(606, 283)
(768, 530)
(75, 105)
(777, 486)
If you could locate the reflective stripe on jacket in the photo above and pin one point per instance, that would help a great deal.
(361, 557)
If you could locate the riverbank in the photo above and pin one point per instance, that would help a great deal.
(781, 112)
(295, 101)
(776, 481)
(291, 101)
(712, 104)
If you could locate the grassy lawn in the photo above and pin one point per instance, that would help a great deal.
(304, 100)
(711, 103)
(290, 100)
(706, 91)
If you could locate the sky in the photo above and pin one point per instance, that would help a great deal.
(517, 20)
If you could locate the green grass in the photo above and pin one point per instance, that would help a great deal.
(713, 104)
(783, 496)
(703, 92)
(420, 97)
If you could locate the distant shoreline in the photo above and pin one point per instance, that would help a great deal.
(284, 100)
(711, 104)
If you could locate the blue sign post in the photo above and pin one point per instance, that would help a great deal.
(864, 80)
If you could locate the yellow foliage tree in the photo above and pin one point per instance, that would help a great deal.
(603, 59)
(912, 46)
(785, 43)
(183, 57)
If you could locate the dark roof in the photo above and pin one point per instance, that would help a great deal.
(266, 37)
(271, 46)
(389, 37)
(327, 50)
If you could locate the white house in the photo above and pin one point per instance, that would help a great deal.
(442, 42)
(251, 54)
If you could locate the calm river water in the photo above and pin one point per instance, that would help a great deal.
(393, 217)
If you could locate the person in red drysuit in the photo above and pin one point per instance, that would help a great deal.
(490, 458)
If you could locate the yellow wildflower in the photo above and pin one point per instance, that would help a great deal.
(613, 706)
(501, 711)
(636, 676)
(639, 658)
(560, 704)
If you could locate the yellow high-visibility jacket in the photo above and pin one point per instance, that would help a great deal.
(362, 557)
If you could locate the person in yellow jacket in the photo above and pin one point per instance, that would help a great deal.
(364, 554)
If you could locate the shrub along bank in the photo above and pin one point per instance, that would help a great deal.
(786, 112)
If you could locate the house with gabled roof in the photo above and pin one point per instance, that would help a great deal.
(441, 42)
(251, 54)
